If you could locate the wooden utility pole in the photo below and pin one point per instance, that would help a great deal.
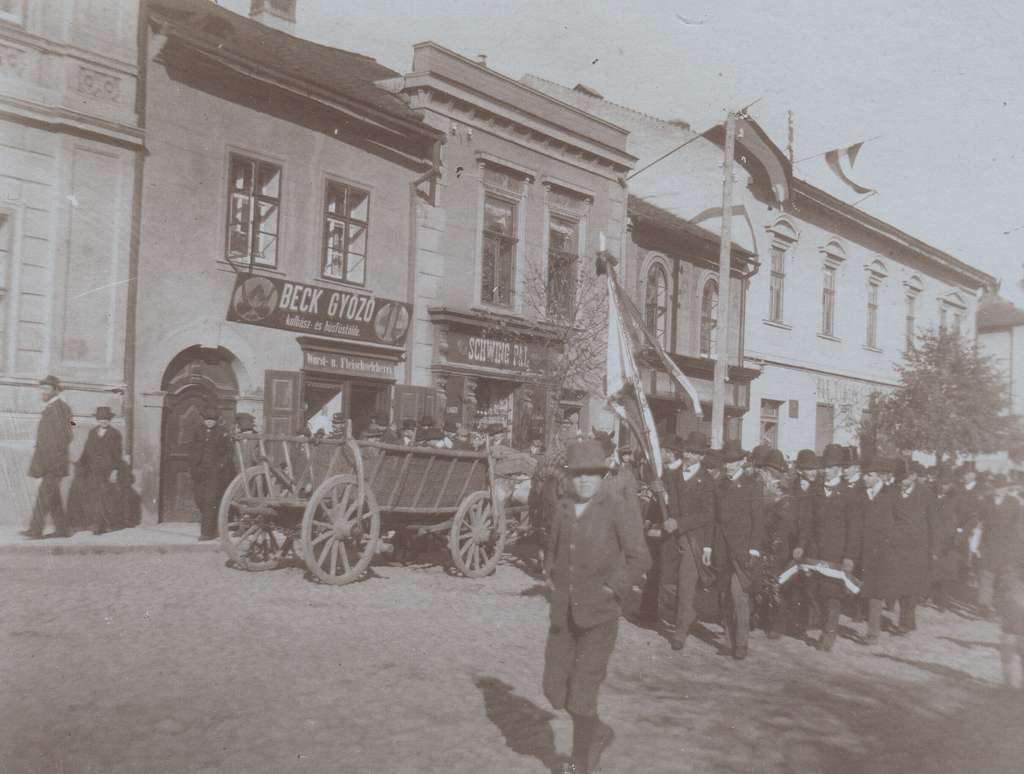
(724, 266)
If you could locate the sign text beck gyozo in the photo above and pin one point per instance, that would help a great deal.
(337, 314)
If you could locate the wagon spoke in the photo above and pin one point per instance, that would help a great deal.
(343, 549)
(328, 547)
(465, 549)
(321, 538)
(334, 557)
(323, 524)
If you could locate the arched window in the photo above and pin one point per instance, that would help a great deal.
(656, 303)
(709, 319)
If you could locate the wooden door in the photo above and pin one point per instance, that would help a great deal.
(182, 419)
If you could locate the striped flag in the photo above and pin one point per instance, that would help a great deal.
(841, 160)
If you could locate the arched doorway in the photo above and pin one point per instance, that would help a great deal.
(196, 378)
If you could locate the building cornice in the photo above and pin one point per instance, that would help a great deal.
(19, 36)
(796, 365)
(61, 117)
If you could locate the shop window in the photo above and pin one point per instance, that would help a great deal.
(346, 221)
(499, 252)
(563, 265)
(656, 303)
(709, 319)
(770, 411)
(495, 402)
(778, 283)
(254, 210)
(828, 301)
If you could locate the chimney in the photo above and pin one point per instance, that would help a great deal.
(481, 59)
(279, 14)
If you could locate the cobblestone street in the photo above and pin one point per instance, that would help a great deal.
(154, 662)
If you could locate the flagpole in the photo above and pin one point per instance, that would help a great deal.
(724, 265)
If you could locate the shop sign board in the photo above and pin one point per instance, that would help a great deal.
(348, 365)
(272, 302)
(494, 351)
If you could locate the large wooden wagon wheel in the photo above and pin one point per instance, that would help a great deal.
(340, 530)
(247, 531)
(477, 536)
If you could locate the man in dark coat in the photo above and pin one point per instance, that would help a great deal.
(853, 494)
(209, 460)
(689, 531)
(915, 508)
(655, 601)
(101, 461)
(946, 540)
(834, 536)
(50, 461)
(595, 557)
(779, 530)
(796, 598)
(737, 548)
(877, 553)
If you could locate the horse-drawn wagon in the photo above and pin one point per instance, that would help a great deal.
(333, 502)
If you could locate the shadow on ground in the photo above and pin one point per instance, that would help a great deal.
(525, 726)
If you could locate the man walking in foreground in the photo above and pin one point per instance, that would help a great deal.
(50, 462)
(595, 556)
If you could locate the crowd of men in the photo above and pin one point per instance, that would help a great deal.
(856, 536)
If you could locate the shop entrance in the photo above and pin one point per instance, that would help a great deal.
(357, 400)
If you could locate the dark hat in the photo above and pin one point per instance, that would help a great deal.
(51, 380)
(933, 470)
(104, 412)
(674, 443)
(806, 459)
(877, 464)
(712, 458)
(732, 451)
(408, 424)
(430, 434)
(245, 421)
(451, 426)
(944, 475)
(759, 455)
(832, 455)
(427, 422)
(851, 456)
(586, 457)
(696, 442)
(899, 467)
(917, 468)
(210, 413)
(337, 418)
(776, 461)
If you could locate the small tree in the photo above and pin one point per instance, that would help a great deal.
(950, 399)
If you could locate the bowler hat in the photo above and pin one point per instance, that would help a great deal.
(806, 459)
(104, 412)
(759, 455)
(776, 461)
(51, 380)
(712, 459)
(408, 424)
(210, 413)
(696, 442)
(877, 464)
(586, 457)
(832, 456)
(850, 456)
(673, 443)
(733, 452)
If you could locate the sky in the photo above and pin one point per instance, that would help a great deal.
(940, 84)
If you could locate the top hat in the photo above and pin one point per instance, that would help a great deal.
(674, 443)
(832, 456)
(696, 442)
(210, 413)
(104, 412)
(850, 456)
(759, 455)
(806, 459)
(877, 464)
(408, 424)
(51, 380)
(586, 457)
(775, 460)
(732, 451)
(712, 458)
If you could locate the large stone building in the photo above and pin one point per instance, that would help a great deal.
(1001, 336)
(69, 151)
(838, 293)
(276, 240)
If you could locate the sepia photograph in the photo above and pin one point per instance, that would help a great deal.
(542, 388)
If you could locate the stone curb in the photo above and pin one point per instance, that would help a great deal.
(154, 548)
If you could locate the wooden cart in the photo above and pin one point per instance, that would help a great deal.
(330, 501)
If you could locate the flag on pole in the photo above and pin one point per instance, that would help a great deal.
(625, 390)
(841, 160)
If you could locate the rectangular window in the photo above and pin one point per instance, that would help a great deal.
(254, 209)
(942, 317)
(346, 221)
(958, 322)
(872, 332)
(778, 282)
(563, 263)
(828, 301)
(770, 410)
(499, 253)
(911, 321)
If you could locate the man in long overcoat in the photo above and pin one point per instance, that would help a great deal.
(595, 557)
(50, 461)
(689, 532)
(878, 557)
(101, 461)
(834, 536)
(779, 531)
(915, 507)
(946, 539)
(210, 462)
(739, 532)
